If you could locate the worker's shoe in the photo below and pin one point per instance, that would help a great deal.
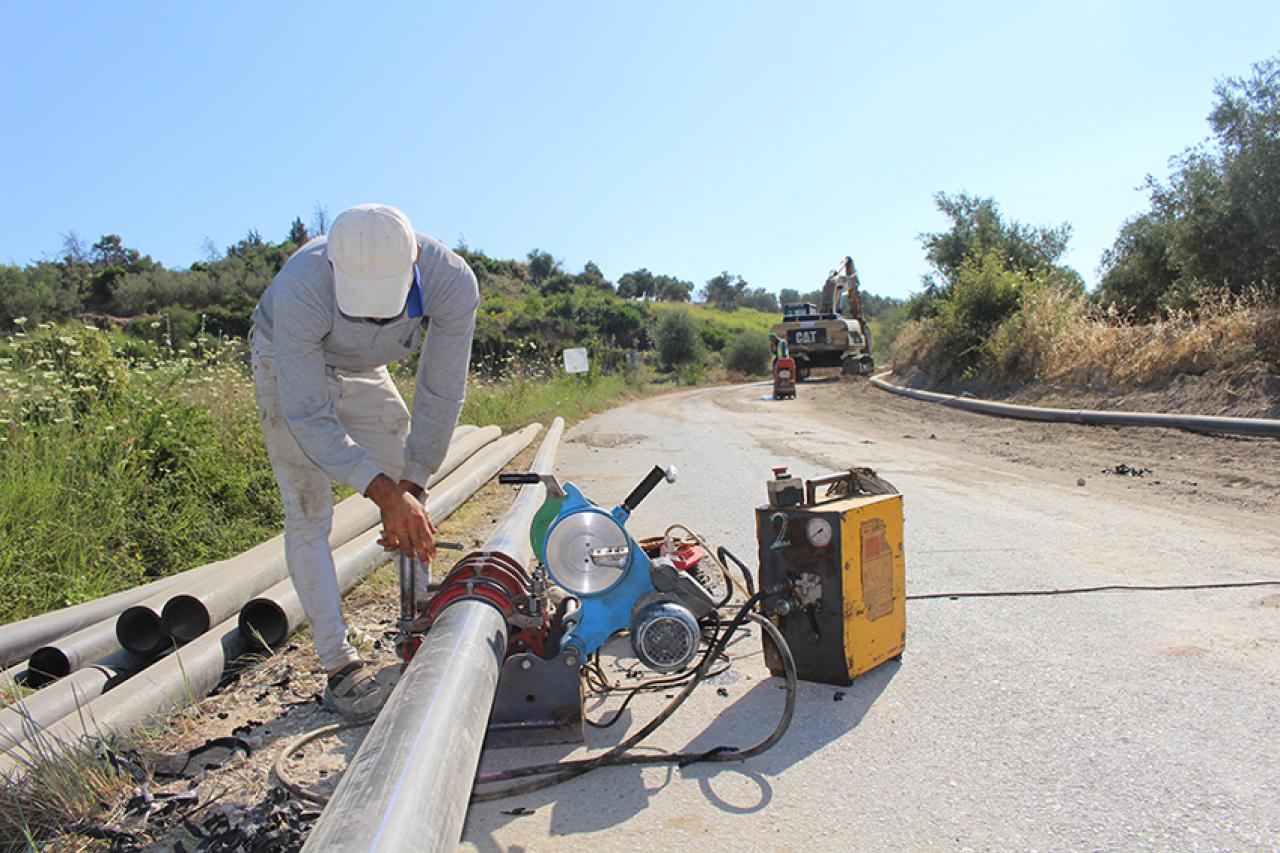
(355, 693)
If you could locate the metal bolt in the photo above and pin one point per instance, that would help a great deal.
(526, 664)
(570, 660)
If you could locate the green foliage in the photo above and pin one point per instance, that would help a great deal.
(978, 229)
(678, 341)
(1213, 225)
(748, 353)
(515, 399)
(112, 472)
(642, 284)
(984, 293)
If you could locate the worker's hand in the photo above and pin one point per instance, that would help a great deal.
(413, 488)
(406, 526)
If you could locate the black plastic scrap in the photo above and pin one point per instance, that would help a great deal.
(1126, 470)
(279, 823)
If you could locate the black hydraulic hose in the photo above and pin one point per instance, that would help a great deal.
(565, 770)
(1080, 590)
(723, 552)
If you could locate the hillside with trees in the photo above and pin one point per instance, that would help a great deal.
(1190, 286)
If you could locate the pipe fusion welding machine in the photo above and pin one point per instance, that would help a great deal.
(830, 582)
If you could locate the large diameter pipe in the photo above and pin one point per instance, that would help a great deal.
(140, 628)
(272, 617)
(60, 659)
(35, 713)
(408, 785)
(191, 612)
(186, 676)
(19, 639)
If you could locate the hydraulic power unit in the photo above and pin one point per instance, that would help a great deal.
(842, 554)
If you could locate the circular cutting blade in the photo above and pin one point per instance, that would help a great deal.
(584, 551)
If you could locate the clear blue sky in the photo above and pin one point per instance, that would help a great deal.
(765, 139)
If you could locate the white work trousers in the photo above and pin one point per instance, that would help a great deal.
(373, 413)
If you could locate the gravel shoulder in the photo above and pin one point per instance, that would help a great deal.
(1235, 477)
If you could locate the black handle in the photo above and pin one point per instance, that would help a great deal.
(647, 485)
(529, 479)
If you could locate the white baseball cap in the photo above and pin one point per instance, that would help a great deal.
(372, 248)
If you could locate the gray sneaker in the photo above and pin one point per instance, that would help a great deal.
(355, 693)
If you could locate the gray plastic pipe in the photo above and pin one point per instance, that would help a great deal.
(176, 680)
(1198, 423)
(408, 786)
(19, 639)
(140, 628)
(192, 610)
(59, 659)
(41, 709)
(272, 617)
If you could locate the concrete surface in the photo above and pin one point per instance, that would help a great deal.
(1115, 721)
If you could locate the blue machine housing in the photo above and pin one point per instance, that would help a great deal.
(601, 614)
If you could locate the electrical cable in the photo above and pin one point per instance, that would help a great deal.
(648, 686)
(562, 771)
(566, 770)
(1080, 590)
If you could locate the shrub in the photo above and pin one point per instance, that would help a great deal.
(748, 353)
(678, 341)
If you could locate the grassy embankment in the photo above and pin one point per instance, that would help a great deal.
(1058, 334)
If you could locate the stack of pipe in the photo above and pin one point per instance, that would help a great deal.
(408, 785)
(78, 704)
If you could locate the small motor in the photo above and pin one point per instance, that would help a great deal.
(664, 635)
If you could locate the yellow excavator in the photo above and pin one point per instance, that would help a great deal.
(833, 333)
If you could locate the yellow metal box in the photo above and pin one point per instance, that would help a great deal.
(846, 612)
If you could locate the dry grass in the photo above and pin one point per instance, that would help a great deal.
(62, 786)
(1075, 346)
(1058, 335)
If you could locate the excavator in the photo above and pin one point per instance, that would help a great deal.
(831, 334)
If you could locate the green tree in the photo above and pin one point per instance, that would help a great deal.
(748, 353)
(542, 266)
(591, 276)
(978, 229)
(678, 341)
(637, 284)
(1215, 223)
(297, 232)
(759, 299)
(670, 289)
(724, 291)
(1139, 268)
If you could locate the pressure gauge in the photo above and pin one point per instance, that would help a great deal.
(819, 532)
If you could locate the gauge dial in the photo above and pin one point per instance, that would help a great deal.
(819, 532)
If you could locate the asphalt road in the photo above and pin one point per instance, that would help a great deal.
(1115, 721)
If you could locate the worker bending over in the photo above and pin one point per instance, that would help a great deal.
(339, 310)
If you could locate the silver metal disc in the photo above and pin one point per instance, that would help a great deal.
(570, 548)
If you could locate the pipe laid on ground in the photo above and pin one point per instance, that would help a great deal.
(1093, 417)
(19, 639)
(41, 709)
(192, 671)
(60, 659)
(408, 785)
(192, 611)
(13, 678)
(140, 628)
(272, 617)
